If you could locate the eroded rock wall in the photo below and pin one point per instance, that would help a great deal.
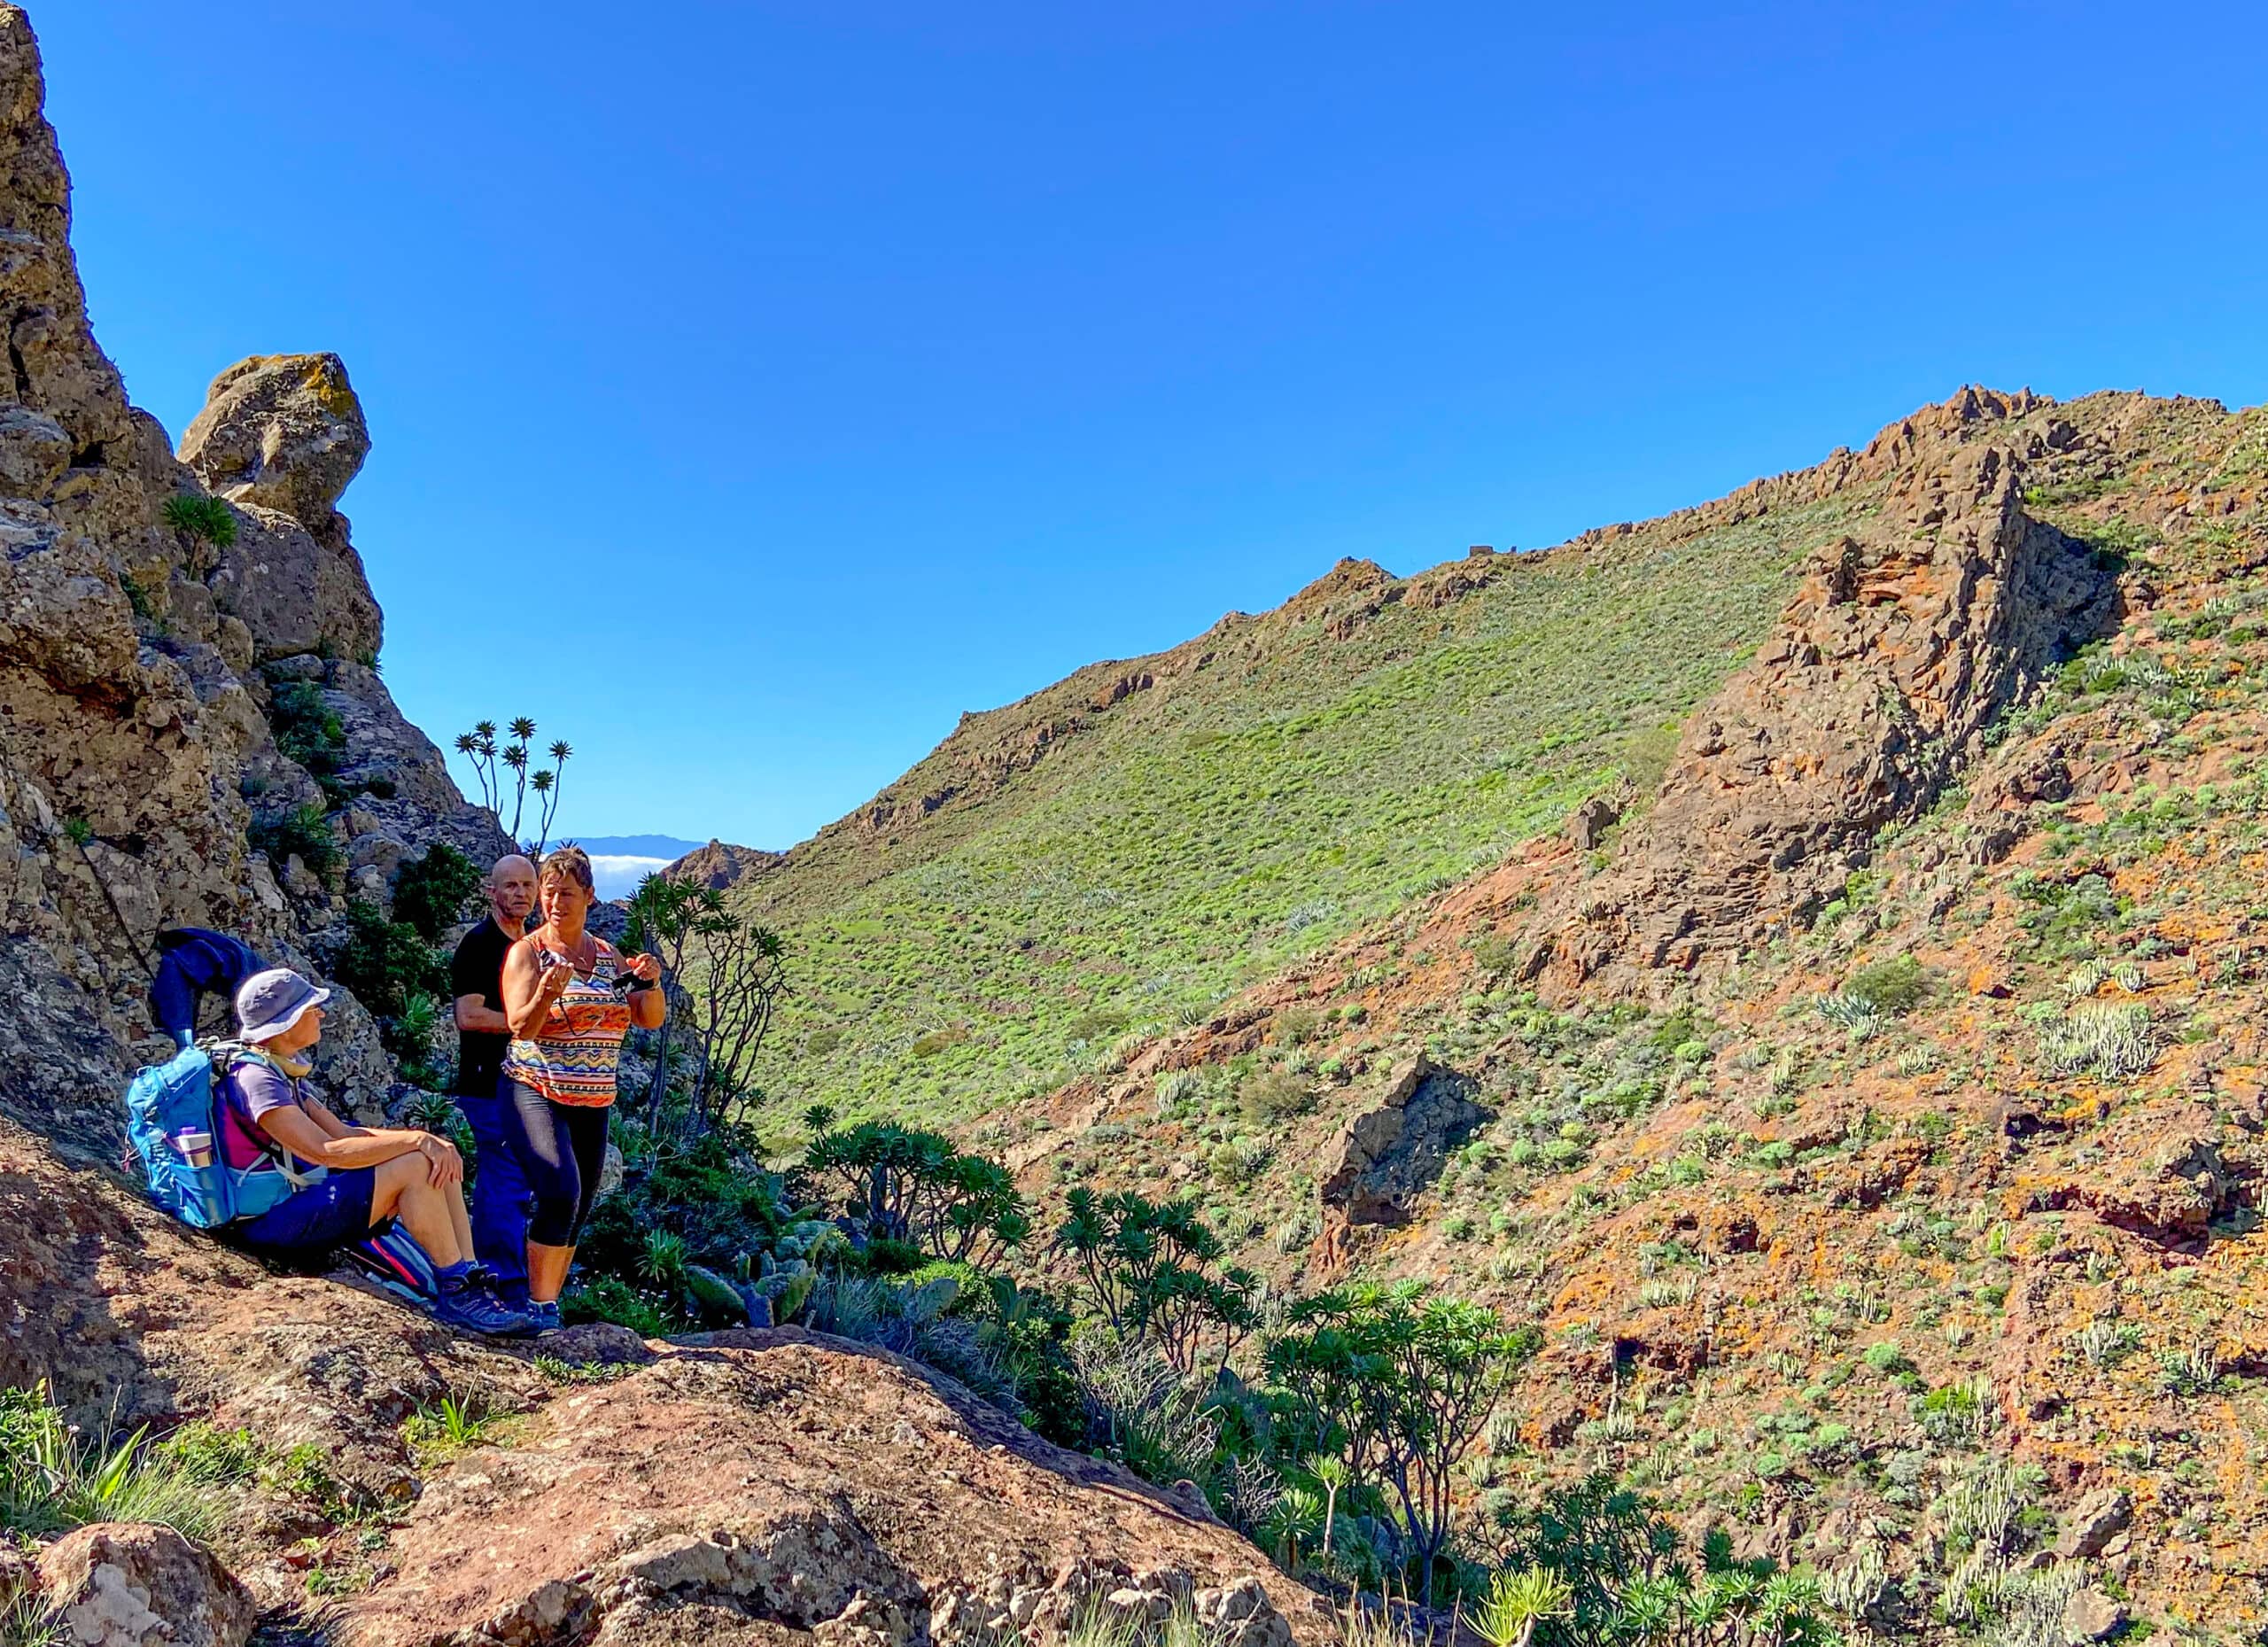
(140, 665)
(1898, 650)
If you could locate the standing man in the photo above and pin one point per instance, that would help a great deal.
(501, 1199)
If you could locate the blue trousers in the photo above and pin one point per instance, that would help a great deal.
(500, 1197)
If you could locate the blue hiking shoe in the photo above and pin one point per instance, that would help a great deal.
(475, 1309)
(544, 1317)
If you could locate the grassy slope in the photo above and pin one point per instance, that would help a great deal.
(1247, 812)
(1785, 1231)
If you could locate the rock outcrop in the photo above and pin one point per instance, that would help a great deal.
(1898, 650)
(721, 866)
(128, 1585)
(192, 726)
(283, 432)
(1388, 1154)
(724, 1487)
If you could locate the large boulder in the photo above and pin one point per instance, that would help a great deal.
(1390, 1152)
(840, 1495)
(127, 1584)
(296, 595)
(280, 432)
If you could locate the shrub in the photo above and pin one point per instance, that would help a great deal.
(304, 832)
(712, 1193)
(1296, 1025)
(937, 1040)
(1886, 1358)
(1275, 1095)
(1613, 1556)
(2113, 1041)
(208, 519)
(1176, 1087)
(1856, 1016)
(1238, 1161)
(1151, 1271)
(310, 732)
(609, 1298)
(431, 892)
(1957, 1415)
(1893, 987)
(907, 1184)
(384, 962)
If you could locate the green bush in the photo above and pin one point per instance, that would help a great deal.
(713, 1194)
(1296, 1025)
(53, 1479)
(1598, 1565)
(610, 1298)
(1275, 1095)
(208, 519)
(1025, 1333)
(385, 962)
(306, 832)
(431, 892)
(1893, 987)
(308, 732)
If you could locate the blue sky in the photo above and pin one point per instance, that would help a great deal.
(755, 387)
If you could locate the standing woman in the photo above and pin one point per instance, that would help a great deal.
(569, 999)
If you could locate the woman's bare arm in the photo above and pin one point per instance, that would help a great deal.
(531, 989)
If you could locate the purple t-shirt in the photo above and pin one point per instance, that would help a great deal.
(252, 1090)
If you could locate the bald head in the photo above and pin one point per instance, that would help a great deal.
(511, 893)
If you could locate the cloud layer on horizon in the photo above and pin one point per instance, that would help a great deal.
(617, 874)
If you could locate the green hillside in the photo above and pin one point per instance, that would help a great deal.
(1286, 778)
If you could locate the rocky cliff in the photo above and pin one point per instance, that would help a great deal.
(193, 731)
(168, 621)
(1869, 1111)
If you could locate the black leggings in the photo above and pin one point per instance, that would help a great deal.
(562, 1149)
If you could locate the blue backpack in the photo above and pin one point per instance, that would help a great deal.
(184, 1095)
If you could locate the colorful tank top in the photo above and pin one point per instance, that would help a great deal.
(574, 1057)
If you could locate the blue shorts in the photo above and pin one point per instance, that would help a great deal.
(328, 1214)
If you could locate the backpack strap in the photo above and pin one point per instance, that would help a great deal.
(227, 1057)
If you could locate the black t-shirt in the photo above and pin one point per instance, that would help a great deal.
(479, 969)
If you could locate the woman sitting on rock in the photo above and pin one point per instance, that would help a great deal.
(569, 999)
(349, 1179)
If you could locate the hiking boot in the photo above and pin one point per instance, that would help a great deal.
(512, 1295)
(544, 1317)
(475, 1309)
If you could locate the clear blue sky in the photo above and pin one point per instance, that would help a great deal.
(861, 364)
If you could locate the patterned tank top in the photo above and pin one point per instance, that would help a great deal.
(574, 1057)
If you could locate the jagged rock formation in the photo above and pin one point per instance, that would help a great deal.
(1981, 1100)
(720, 865)
(1387, 1156)
(140, 666)
(1895, 653)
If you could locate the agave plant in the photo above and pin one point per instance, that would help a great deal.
(1517, 1601)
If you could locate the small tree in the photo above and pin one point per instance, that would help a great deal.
(909, 1185)
(1151, 1271)
(1399, 1385)
(482, 752)
(742, 973)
